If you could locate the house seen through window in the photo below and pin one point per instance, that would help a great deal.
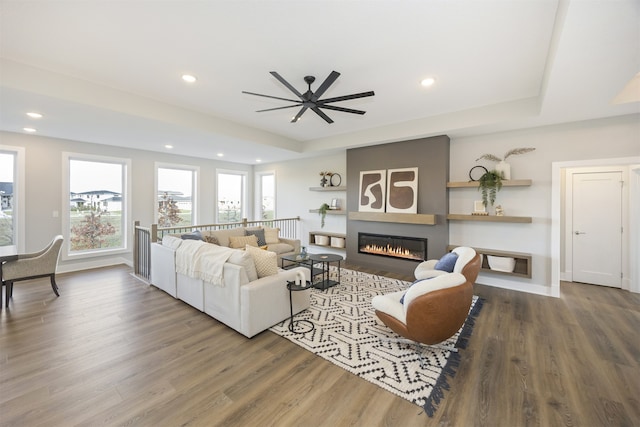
(96, 216)
(175, 196)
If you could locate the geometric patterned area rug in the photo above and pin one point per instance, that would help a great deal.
(348, 333)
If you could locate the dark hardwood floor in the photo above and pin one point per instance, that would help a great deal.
(112, 350)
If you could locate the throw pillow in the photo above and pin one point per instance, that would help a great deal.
(244, 260)
(194, 235)
(271, 235)
(212, 240)
(447, 262)
(259, 235)
(238, 242)
(417, 281)
(266, 262)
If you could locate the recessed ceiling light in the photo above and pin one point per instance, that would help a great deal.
(28, 129)
(34, 115)
(189, 78)
(168, 146)
(220, 155)
(429, 81)
(258, 160)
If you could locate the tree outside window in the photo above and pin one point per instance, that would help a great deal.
(96, 220)
(175, 190)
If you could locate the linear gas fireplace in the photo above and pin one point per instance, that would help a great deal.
(410, 248)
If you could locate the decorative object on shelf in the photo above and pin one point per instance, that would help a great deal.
(499, 211)
(502, 167)
(476, 172)
(321, 240)
(335, 204)
(323, 213)
(337, 242)
(335, 180)
(479, 208)
(324, 181)
(501, 263)
(489, 184)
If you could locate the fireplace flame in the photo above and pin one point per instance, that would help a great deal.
(389, 250)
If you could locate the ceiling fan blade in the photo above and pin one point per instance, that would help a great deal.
(325, 85)
(269, 96)
(286, 83)
(346, 97)
(278, 108)
(344, 110)
(300, 113)
(321, 114)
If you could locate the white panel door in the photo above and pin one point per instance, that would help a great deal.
(597, 228)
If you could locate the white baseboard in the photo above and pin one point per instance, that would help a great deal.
(531, 288)
(90, 263)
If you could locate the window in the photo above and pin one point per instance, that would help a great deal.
(175, 191)
(97, 204)
(266, 195)
(231, 196)
(12, 197)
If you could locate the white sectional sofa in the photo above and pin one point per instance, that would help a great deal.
(243, 301)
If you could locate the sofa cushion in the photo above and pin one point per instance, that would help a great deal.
(447, 262)
(280, 248)
(194, 235)
(271, 235)
(243, 259)
(172, 242)
(266, 262)
(259, 233)
(223, 235)
(211, 239)
(237, 242)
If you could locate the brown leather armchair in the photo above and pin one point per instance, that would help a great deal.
(434, 309)
(32, 266)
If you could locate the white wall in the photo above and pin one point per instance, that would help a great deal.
(293, 180)
(43, 164)
(599, 139)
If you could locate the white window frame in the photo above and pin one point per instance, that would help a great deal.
(19, 199)
(194, 188)
(244, 198)
(258, 194)
(66, 206)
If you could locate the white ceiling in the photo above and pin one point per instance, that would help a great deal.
(109, 72)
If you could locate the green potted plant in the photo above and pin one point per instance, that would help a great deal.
(489, 184)
(323, 213)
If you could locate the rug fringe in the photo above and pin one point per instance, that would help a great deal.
(453, 361)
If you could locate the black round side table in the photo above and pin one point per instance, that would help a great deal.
(300, 326)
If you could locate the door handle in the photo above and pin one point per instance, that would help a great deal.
(579, 232)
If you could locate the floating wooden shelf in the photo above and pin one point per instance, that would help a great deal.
(329, 235)
(330, 211)
(427, 219)
(505, 183)
(521, 269)
(489, 218)
(330, 188)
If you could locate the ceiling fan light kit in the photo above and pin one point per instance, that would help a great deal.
(311, 100)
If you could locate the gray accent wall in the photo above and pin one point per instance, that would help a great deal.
(431, 156)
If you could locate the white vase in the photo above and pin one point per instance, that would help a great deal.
(504, 169)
